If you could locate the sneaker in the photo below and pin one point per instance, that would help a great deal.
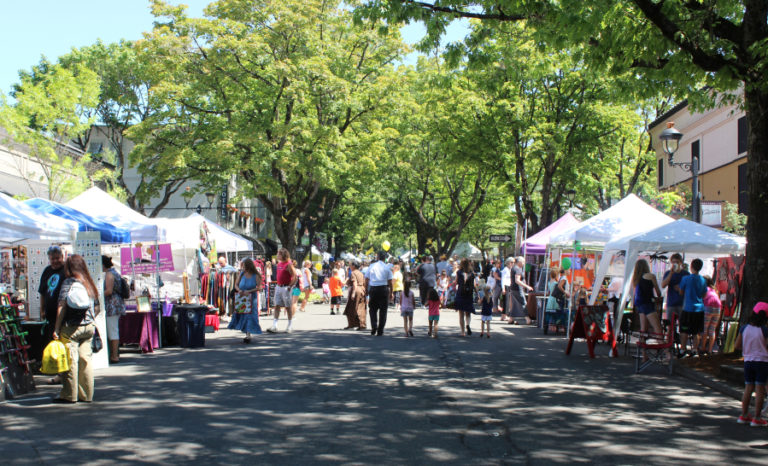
(758, 423)
(272, 329)
(744, 419)
(288, 330)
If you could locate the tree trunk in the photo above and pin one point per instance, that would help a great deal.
(756, 266)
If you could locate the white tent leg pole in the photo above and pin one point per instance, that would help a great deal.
(570, 301)
(159, 306)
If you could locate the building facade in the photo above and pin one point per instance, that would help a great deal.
(719, 138)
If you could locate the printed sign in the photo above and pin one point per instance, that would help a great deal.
(712, 213)
(144, 259)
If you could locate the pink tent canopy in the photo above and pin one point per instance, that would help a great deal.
(537, 244)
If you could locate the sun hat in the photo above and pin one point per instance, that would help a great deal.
(761, 306)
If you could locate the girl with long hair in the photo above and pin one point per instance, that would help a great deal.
(77, 310)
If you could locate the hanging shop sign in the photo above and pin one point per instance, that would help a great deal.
(145, 258)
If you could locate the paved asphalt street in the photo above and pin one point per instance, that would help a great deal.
(323, 395)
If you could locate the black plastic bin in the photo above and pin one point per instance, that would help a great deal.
(191, 325)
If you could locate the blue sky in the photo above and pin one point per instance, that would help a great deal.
(33, 28)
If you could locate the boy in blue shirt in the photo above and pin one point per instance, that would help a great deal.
(693, 287)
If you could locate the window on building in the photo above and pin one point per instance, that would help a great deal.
(96, 148)
(743, 198)
(660, 171)
(696, 151)
(743, 135)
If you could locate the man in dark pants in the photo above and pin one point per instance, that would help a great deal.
(378, 281)
(427, 273)
(50, 285)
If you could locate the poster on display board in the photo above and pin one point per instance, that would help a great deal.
(37, 257)
(144, 259)
(88, 245)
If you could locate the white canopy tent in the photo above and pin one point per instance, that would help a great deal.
(186, 231)
(102, 206)
(683, 236)
(627, 217)
(20, 222)
(465, 249)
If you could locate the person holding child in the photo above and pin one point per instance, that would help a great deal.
(486, 313)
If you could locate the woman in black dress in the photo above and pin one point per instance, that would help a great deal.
(465, 293)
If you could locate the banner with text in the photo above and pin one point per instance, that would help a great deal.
(144, 258)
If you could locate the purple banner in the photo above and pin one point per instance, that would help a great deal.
(144, 258)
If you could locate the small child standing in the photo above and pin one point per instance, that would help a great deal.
(486, 313)
(712, 307)
(336, 291)
(753, 342)
(433, 304)
(407, 304)
(326, 291)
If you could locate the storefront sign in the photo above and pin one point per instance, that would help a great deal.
(144, 259)
(712, 213)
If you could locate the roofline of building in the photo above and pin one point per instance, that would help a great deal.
(668, 114)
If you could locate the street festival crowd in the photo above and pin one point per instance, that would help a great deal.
(69, 302)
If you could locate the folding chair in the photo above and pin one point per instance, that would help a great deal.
(658, 353)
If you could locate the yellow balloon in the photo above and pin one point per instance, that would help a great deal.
(319, 267)
(385, 245)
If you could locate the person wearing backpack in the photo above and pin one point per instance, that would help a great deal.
(465, 293)
(114, 303)
(78, 308)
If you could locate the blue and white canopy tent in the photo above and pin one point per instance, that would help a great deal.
(110, 234)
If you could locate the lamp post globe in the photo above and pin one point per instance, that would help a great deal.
(670, 139)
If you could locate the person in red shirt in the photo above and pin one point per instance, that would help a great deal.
(286, 279)
(336, 291)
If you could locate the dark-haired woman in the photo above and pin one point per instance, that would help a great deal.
(249, 284)
(78, 307)
(114, 307)
(465, 292)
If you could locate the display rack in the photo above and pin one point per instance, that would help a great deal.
(15, 374)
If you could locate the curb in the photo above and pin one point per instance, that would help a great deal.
(709, 381)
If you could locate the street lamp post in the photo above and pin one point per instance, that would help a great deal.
(570, 195)
(670, 139)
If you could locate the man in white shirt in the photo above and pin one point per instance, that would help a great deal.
(506, 285)
(378, 282)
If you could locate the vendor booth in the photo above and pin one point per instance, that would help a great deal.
(692, 239)
(23, 232)
(586, 240)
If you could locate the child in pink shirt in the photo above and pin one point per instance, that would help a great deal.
(752, 338)
(712, 307)
(433, 303)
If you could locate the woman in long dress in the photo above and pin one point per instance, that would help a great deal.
(249, 284)
(355, 308)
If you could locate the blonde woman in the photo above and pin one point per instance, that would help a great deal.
(397, 285)
(305, 280)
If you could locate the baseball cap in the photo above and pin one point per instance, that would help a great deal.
(761, 306)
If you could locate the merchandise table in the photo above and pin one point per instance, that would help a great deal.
(140, 328)
(212, 320)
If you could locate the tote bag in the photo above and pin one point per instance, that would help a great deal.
(243, 304)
